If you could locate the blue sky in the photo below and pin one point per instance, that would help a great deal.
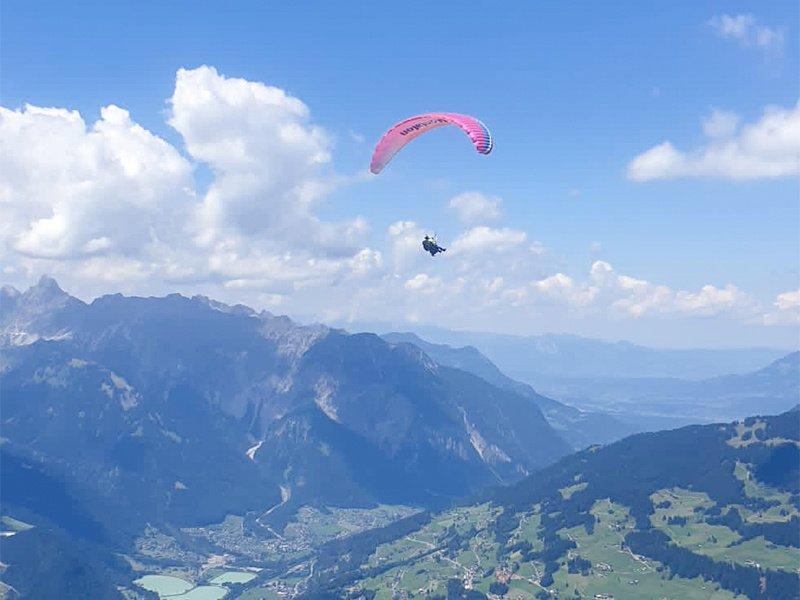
(573, 92)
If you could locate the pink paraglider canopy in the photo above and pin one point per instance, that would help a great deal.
(401, 134)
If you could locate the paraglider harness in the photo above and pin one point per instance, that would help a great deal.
(430, 245)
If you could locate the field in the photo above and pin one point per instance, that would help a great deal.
(422, 563)
(423, 567)
(717, 541)
(425, 561)
(619, 573)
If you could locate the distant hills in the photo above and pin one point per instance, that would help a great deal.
(655, 403)
(699, 512)
(533, 358)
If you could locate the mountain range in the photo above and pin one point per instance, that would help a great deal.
(174, 435)
(154, 391)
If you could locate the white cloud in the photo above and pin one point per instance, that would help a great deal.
(474, 207)
(70, 190)
(603, 294)
(256, 222)
(748, 31)
(356, 137)
(112, 202)
(267, 157)
(788, 300)
(721, 124)
(365, 261)
(422, 282)
(488, 239)
(786, 311)
(457, 296)
(562, 288)
(623, 295)
(638, 297)
(710, 300)
(768, 148)
(600, 271)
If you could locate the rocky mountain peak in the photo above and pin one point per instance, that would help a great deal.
(9, 291)
(37, 313)
(46, 290)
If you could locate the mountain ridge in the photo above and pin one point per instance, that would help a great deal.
(580, 428)
(141, 363)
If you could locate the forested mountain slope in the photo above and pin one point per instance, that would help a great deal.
(700, 512)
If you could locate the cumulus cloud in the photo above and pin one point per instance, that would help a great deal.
(267, 157)
(622, 295)
(562, 288)
(788, 300)
(442, 292)
(748, 31)
(711, 300)
(422, 282)
(638, 297)
(721, 124)
(488, 239)
(111, 201)
(767, 148)
(474, 207)
(70, 190)
(786, 309)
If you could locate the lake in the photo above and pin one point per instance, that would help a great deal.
(164, 585)
(233, 577)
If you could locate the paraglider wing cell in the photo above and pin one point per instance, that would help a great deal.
(405, 131)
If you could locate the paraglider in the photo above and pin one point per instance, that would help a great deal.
(403, 132)
(430, 245)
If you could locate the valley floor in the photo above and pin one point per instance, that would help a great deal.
(460, 545)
